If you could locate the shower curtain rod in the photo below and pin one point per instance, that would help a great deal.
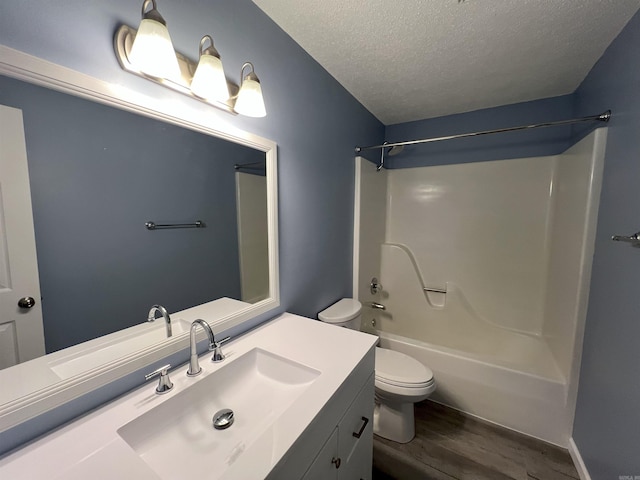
(603, 117)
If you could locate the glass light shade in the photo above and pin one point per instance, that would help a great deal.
(250, 102)
(209, 81)
(152, 51)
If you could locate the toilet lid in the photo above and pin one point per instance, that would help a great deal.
(341, 311)
(398, 368)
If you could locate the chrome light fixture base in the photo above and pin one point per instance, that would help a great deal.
(123, 40)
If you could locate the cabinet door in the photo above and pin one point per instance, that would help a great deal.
(355, 436)
(324, 467)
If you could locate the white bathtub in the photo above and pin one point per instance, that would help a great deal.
(522, 401)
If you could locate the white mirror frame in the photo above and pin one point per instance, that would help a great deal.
(40, 72)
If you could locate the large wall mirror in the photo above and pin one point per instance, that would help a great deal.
(100, 169)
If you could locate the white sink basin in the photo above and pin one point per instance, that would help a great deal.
(258, 386)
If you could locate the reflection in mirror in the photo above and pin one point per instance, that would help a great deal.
(97, 175)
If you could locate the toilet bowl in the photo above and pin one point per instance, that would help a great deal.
(400, 380)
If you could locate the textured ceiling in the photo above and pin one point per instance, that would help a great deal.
(407, 60)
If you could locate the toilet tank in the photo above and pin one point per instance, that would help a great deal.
(344, 313)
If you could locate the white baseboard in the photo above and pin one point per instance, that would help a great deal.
(577, 460)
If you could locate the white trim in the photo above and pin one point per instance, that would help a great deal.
(577, 461)
(191, 115)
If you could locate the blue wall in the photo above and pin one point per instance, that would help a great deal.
(607, 423)
(315, 122)
(97, 174)
(530, 143)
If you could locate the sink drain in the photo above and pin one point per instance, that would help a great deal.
(223, 419)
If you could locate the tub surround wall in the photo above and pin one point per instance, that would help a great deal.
(482, 226)
(369, 225)
(576, 187)
(253, 237)
(451, 321)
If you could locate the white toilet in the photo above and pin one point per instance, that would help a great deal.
(400, 380)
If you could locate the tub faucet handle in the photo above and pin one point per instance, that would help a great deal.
(376, 306)
(375, 286)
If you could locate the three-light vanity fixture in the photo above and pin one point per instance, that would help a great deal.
(149, 53)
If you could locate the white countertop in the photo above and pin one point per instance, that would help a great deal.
(90, 446)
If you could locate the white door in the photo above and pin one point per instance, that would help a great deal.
(21, 331)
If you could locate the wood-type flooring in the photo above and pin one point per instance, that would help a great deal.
(450, 445)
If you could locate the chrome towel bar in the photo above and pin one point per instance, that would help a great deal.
(634, 239)
(160, 226)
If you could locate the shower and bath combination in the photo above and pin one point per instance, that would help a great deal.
(504, 346)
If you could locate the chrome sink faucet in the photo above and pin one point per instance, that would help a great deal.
(194, 366)
(152, 316)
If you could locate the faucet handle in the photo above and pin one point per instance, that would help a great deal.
(164, 382)
(376, 306)
(218, 356)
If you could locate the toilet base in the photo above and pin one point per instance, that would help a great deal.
(394, 421)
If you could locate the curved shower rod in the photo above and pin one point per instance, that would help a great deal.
(603, 117)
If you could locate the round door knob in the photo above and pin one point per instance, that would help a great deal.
(26, 302)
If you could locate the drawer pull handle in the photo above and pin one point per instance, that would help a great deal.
(364, 425)
(336, 462)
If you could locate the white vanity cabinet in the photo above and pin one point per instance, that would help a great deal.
(348, 453)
